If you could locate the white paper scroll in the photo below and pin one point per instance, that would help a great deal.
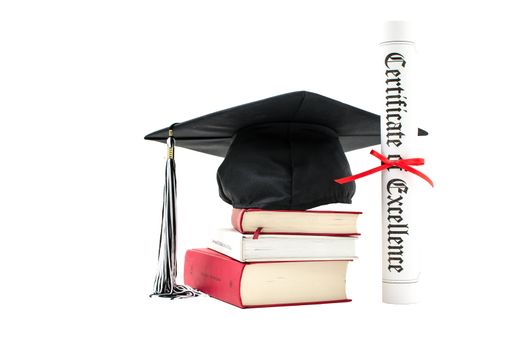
(401, 268)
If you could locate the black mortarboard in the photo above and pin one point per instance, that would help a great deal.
(282, 152)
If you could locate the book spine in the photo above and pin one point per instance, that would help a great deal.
(215, 275)
(228, 243)
(236, 219)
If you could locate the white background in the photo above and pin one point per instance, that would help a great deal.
(81, 83)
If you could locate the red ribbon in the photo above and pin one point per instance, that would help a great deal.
(257, 233)
(405, 164)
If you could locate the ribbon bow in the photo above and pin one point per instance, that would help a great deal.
(405, 164)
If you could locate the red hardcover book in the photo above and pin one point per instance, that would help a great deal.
(304, 222)
(265, 284)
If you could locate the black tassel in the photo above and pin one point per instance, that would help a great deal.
(165, 283)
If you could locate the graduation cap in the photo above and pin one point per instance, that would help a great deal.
(282, 152)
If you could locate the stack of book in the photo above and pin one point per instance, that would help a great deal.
(276, 257)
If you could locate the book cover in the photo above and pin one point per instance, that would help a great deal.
(306, 222)
(282, 247)
(241, 285)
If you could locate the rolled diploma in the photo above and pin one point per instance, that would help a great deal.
(400, 189)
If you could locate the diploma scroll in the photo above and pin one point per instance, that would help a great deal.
(399, 187)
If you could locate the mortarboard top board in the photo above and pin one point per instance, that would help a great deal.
(212, 133)
(282, 152)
